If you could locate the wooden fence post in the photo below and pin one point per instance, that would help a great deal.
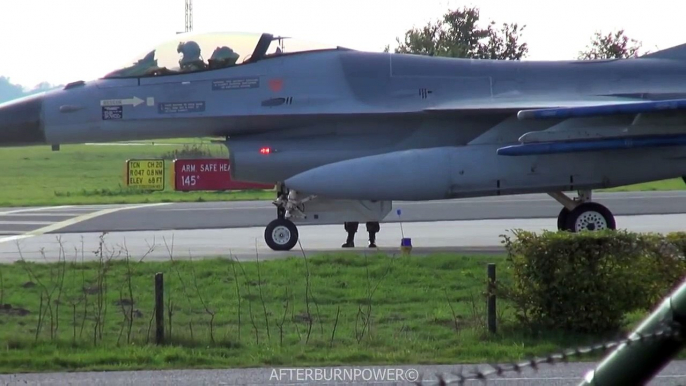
(159, 308)
(491, 298)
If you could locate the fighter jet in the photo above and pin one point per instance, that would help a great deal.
(343, 133)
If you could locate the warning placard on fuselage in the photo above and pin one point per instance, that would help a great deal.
(145, 174)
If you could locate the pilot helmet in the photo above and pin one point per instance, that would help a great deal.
(190, 51)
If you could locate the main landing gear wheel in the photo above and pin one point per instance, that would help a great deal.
(582, 214)
(562, 219)
(281, 235)
(590, 216)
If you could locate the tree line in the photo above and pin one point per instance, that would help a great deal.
(457, 34)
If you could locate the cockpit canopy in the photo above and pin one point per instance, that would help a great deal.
(194, 52)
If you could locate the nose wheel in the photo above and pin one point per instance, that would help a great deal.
(281, 235)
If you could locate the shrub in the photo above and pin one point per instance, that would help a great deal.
(194, 151)
(587, 282)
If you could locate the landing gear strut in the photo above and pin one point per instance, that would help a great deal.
(282, 234)
(581, 214)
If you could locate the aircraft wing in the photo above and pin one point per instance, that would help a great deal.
(602, 139)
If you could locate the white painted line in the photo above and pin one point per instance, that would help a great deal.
(35, 209)
(46, 214)
(87, 216)
(27, 222)
(75, 220)
(215, 209)
(78, 210)
(12, 238)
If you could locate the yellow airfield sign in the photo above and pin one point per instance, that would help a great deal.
(145, 174)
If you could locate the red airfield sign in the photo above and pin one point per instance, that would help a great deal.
(208, 174)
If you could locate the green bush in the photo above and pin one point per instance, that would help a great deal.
(587, 282)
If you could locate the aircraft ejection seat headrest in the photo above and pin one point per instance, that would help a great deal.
(224, 54)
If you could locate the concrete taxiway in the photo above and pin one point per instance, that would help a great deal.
(236, 228)
(238, 214)
(481, 236)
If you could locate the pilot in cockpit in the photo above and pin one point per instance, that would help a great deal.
(191, 59)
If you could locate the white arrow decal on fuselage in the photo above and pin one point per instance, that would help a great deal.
(135, 101)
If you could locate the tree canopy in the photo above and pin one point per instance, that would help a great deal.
(457, 34)
(613, 45)
(9, 90)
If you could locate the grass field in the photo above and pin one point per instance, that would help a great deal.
(303, 311)
(94, 174)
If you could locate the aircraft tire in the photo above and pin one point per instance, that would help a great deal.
(590, 216)
(281, 235)
(562, 219)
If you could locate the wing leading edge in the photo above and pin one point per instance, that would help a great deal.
(555, 107)
(529, 109)
(560, 147)
(623, 107)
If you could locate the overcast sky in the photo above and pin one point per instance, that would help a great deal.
(61, 41)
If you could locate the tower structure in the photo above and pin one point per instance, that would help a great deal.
(189, 15)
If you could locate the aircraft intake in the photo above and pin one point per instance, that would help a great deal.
(21, 123)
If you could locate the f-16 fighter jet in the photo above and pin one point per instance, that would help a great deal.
(344, 133)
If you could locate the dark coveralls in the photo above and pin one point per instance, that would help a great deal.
(373, 228)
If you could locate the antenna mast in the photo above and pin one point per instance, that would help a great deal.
(189, 15)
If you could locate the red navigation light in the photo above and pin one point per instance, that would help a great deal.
(265, 150)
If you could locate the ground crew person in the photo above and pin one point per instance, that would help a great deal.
(373, 228)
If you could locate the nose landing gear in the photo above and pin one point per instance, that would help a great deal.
(282, 234)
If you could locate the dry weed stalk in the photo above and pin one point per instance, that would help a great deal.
(46, 295)
(252, 317)
(170, 251)
(129, 283)
(238, 292)
(2, 289)
(367, 316)
(259, 287)
(283, 318)
(478, 312)
(75, 300)
(335, 324)
(101, 283)
(452, 310)
(308, 294)
(202, 300)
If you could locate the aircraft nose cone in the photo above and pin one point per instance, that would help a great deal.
(21, 123)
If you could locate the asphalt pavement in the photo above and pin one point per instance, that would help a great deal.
(239, 214)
